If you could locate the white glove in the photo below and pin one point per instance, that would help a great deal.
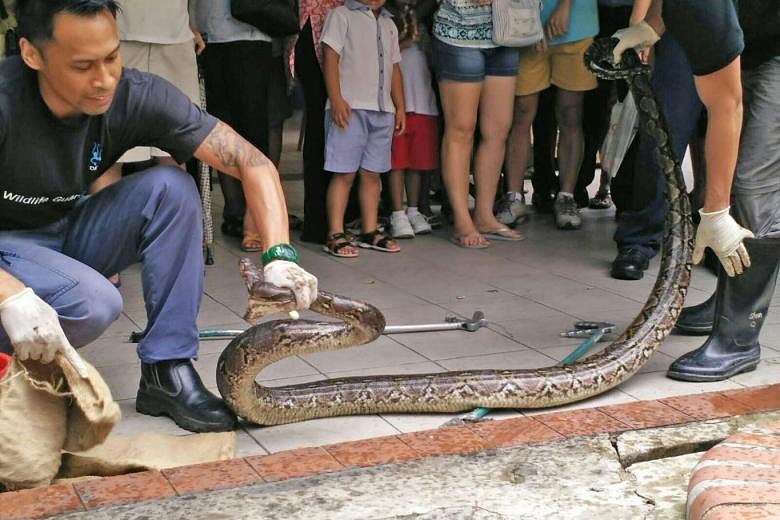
(34, 329)
(639, 37)
(721, 233)
(282, 273)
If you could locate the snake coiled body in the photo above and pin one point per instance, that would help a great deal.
(361, 323)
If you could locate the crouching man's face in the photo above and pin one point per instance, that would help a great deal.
(79, 68)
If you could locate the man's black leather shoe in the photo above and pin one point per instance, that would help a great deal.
(173, 388)
(630, 264)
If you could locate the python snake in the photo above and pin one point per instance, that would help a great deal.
(263, 344)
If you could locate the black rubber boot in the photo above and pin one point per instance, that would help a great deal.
(697, 319)
(173, 388)
(741, 305)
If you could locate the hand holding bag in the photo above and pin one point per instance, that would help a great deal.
(276, 18)
(517, 23)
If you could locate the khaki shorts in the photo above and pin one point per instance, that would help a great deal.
(561, 65)
(174, 62)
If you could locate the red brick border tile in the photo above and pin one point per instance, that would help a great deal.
(212, 475)
(718, 496)
(726, 453)
(39, 502)
(444, 441)
(645, 414)
(514, 432)
(584, 421)
(743, 512)
(757, 399)
(768, 476)
(302, 462)
(711, 405)
(135, 487)
(372, 452)
(756, 439)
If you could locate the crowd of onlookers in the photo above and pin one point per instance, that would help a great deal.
(408, 100)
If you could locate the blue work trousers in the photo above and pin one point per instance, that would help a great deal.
(152, 217)
(680, 104)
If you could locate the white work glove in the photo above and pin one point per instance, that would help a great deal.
(639, 37)
(721, 233)
(282, 273)
(34, 329)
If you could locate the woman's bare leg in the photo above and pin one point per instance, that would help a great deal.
(460, 102)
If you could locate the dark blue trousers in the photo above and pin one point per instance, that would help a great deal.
(676, 93)
(152, 217)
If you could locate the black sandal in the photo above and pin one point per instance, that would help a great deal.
(369, 241)
(336, 243)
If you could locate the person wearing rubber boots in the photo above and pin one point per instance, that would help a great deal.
(734, 315)
(68, 111)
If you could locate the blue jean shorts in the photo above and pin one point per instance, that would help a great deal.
(365, 142)
(470, 64)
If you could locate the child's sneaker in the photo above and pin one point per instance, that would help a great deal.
(419, 224)
(511, 209)
(567, 216)
(400, 225)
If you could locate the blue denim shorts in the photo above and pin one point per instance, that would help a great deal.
(470, 64)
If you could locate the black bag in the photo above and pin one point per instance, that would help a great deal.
(276, 18)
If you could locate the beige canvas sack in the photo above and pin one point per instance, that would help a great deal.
(45, 408)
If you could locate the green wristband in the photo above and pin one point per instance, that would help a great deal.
(280, 252)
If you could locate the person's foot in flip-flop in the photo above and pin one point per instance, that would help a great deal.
(340, 245)
(378, 241)
(492, 229)
(503, 233)
(470, 240)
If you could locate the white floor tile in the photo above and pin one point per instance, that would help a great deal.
(656, 385)
(320, 431)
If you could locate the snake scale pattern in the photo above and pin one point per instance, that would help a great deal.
(360, 323)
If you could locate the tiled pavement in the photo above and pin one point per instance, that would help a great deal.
(530, 291)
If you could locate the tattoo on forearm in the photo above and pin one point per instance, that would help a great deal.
(232, 150)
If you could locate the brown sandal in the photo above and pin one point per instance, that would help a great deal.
(336, 243)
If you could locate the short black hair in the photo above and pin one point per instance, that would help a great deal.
(35, 18)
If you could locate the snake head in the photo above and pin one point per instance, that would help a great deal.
(264, 298)
(598, 59)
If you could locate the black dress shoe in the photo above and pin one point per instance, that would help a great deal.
(173, 388)
(630, 264)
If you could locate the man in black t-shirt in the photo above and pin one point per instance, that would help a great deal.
(67, 112)
(710, 35)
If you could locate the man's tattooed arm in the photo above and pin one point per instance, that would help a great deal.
(228, 152)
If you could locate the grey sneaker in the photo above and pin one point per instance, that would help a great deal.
(567, 216)
(400, 226)
(511, 209)
(419, 224)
